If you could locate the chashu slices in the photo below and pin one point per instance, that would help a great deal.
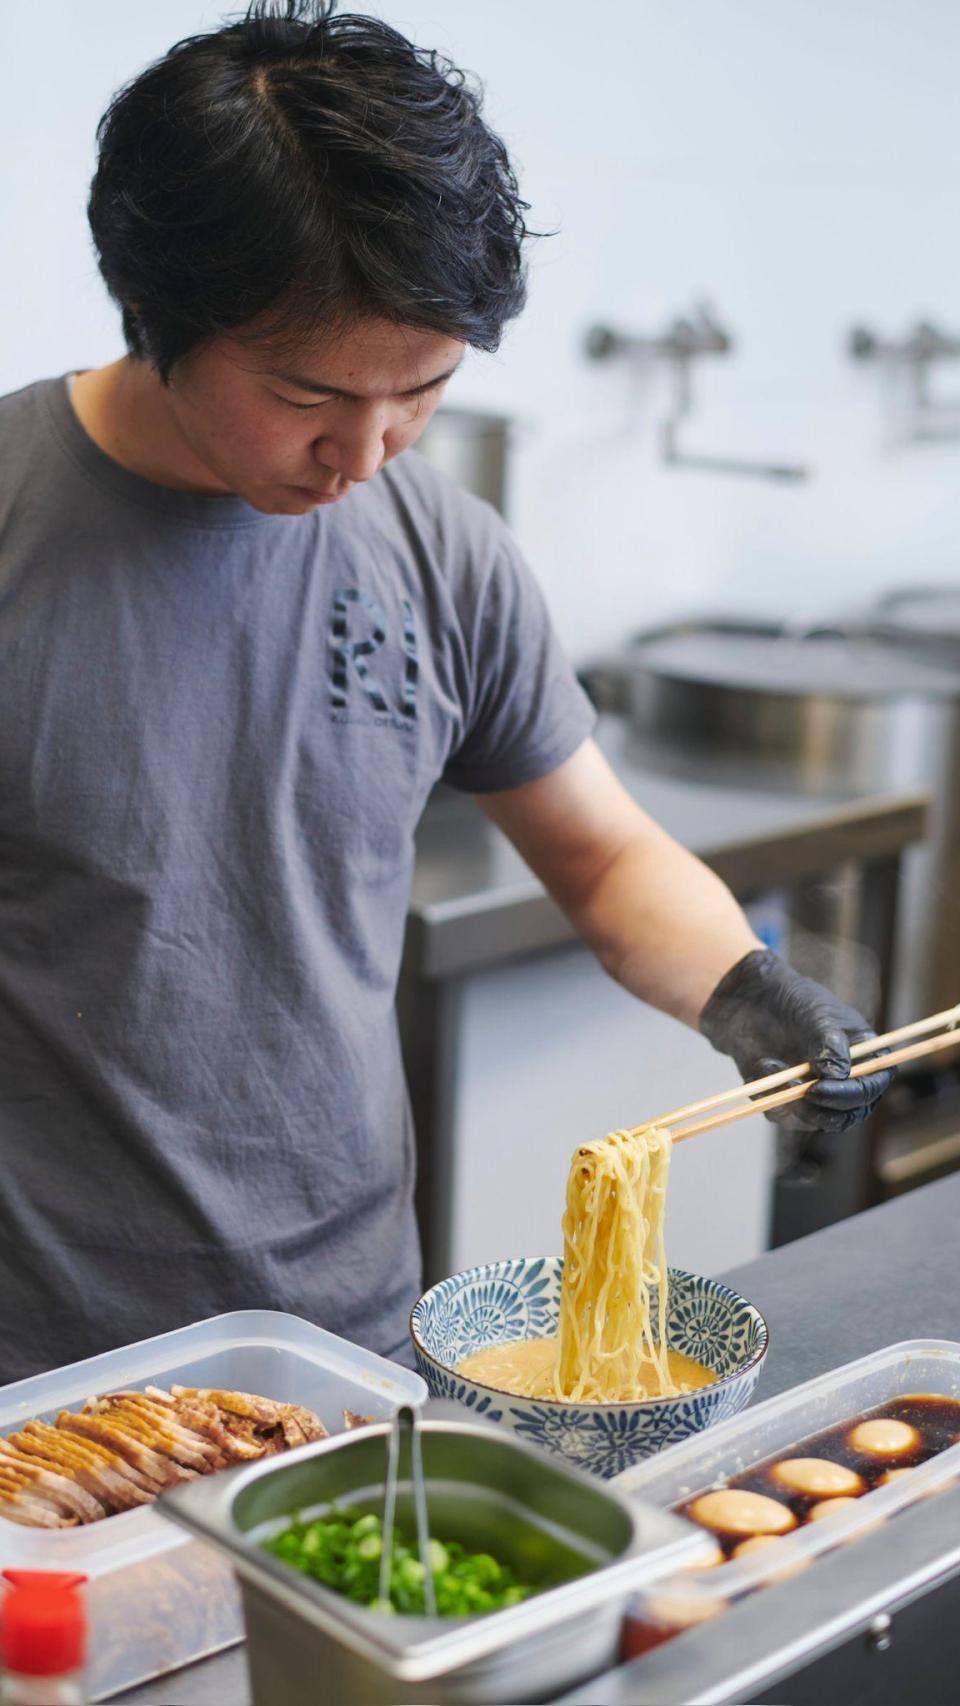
(120, 1450)
(118, 1434)
(100, 1472)
(262, 1422)
(20, 1471)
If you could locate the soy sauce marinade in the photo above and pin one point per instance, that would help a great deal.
(936, 1421)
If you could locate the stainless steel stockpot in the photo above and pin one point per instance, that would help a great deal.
(836, 713)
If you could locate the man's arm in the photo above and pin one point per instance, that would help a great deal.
(671, 932)
(658, 920)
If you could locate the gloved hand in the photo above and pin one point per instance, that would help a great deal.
(766, 1016)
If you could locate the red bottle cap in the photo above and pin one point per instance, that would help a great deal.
(43, 1624)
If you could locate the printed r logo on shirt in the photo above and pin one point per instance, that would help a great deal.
(359, 630)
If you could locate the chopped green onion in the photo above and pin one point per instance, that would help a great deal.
(344, 1551)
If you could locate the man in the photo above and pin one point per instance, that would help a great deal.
(244, 633)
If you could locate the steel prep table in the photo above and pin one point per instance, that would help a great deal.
(885, 1275)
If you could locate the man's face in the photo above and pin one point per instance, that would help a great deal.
(288, 435)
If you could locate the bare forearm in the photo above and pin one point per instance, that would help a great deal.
(668, 930)
(662, 924)
(659, 921)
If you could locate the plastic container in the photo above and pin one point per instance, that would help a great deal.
(710, 1459)
(156, 1598)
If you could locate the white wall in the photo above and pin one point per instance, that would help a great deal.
(552, 1054)
(797, 161)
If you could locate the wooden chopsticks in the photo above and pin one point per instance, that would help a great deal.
(755, 1098)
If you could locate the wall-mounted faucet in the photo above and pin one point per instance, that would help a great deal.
(700, 335)
(683, 342)
(912, 356)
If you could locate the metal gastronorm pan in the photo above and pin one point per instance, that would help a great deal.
(492, 1492)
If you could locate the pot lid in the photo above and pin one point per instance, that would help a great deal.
(838, 666)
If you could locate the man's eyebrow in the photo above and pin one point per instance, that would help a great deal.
(314, 385)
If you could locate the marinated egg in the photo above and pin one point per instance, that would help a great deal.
(816, 1476)
(891, 1476)
(676, 1612)
(884, 1436)
(829, 1507)
(709, 1561)
(769, 1543)
(733, 1511)
(756, 1543)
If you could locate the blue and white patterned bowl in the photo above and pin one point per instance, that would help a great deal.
(520, 1299)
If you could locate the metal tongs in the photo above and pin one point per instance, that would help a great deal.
(406, 1421)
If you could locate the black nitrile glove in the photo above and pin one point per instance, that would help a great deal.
(766, 1016)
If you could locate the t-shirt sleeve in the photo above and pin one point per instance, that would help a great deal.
(526, 712)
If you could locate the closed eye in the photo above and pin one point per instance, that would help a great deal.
(290, 405)
(407, 396)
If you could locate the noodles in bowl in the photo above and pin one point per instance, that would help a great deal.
(600, 1356)
(614, 1260)
(612, 1344)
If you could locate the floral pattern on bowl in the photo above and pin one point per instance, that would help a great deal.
(520, 1299)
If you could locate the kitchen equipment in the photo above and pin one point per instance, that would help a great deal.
(908, 361)
(500, 1302)
(472, 447)
(484, 1488)
(760, 1095)
(828, 714)
(406, 1421)
(816, 1634)
(833, 713)
(686, 339)
(156, 1599)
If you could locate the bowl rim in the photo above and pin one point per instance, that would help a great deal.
(486, 1268)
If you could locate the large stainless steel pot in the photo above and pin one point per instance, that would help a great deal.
(472, 447)
(830, 714)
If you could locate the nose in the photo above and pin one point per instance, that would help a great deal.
(353, 446)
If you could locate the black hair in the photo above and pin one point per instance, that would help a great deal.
(296, 171)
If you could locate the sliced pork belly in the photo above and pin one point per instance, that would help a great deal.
(65, 1490)
(204, 1418)
(265, 1413)
(300, 1426)
(115, 1483)
(18, 1489)
(18, 1508)
(79, 1450)
(246, 1404)
(123, 1448)
(162, 1440)
(119, 1437)
(162, 1426)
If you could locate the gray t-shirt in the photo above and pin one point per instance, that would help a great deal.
(218, 731)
